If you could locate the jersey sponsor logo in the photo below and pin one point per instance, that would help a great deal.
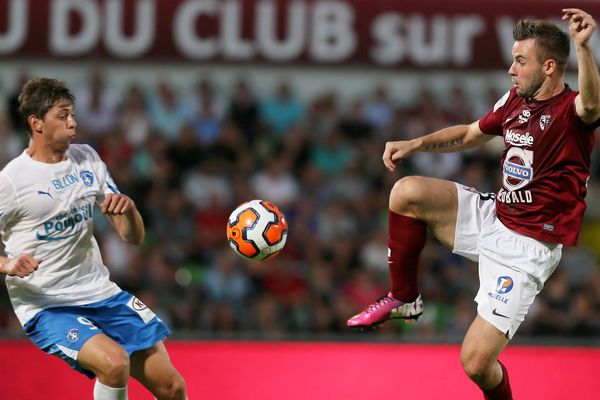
(65, 182)
(544, 121)
(87, 178)
(504, 284)
(518, 139)
(65, 224)
(524, 116)
(48, 238)
(517, 169)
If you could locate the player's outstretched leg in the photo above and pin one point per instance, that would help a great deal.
(415, 204)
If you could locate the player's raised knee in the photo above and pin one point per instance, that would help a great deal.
(407, 192)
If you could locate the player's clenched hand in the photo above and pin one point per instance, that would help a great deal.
(21, 266)
(116, 204)
(581, 24)
(396, 151)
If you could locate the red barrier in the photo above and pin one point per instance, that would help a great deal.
(301, 371)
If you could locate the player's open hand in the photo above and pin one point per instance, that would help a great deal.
(116, 204)
(395, 152)
(21, 266)
(581, 25)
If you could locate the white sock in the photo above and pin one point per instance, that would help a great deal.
(103, 392)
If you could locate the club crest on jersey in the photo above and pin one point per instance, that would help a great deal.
(544, 121)
(87, 177)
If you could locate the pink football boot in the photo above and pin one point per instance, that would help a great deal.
(386, 307)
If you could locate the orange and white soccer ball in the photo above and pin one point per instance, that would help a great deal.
(257, 230)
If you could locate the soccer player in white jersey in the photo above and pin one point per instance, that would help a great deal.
(58, 285)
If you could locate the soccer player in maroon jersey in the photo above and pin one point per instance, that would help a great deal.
(517, 234)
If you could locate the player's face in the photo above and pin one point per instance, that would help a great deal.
(58, 126)
(526, 71)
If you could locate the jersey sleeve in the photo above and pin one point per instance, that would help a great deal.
(491, 123)
(105, 181)
(8, 201)
(576, 120)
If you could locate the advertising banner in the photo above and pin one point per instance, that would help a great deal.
(426, 34)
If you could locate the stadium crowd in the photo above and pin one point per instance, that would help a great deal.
(189, 156)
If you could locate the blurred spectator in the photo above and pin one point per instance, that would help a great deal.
(378, 110)
(332, 154)
(275, 183)
(11, 142)
(97, 105)
(172, 220)
(14, 117)
(225, 283)
(352, 124)
(134, 120)
(169, 113)
(244, 111)
(204, 184)
(282, 110)
(208, 113)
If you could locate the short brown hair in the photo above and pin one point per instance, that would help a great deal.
(39, 95)
(551, 40)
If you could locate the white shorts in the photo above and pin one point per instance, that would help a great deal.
(512, 267)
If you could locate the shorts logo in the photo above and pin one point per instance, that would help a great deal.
(504, 285)
(138, 305)
(141, 309)
(73, 335)
(87, 177)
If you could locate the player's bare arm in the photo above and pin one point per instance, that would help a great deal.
(21, 266)
(447, 140)
(123, 214)
(581, 28)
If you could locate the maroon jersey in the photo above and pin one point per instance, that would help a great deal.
(545, 165)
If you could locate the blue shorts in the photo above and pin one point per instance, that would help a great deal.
(62, 331)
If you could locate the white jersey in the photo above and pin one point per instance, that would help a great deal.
(46, 210)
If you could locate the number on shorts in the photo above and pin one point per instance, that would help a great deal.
(86, 322)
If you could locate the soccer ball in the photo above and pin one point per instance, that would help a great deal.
(257, 230)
